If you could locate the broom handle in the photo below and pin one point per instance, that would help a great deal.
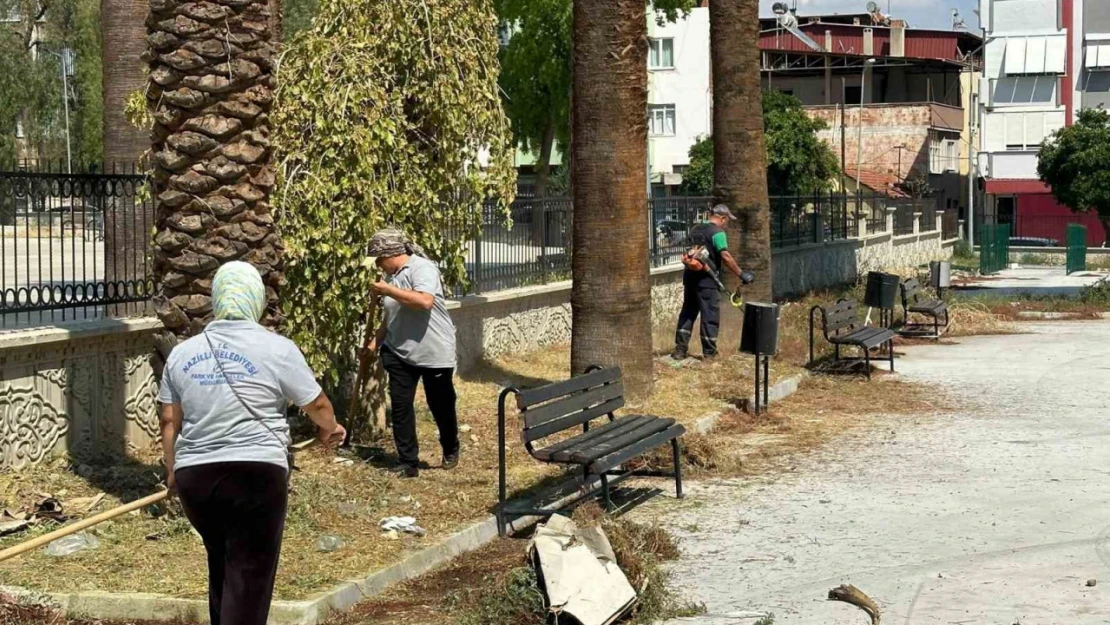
(363, 359)
(34, 543)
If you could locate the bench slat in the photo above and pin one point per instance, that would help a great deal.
(597, 433)
(617, 441)
(617, 458)
(572, 403)
(572, 420)
(532, 396)
(840, 316)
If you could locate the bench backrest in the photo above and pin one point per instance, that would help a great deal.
(561, 406)
(911, 291)
(841, 317)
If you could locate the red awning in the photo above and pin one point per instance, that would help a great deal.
(1005, 186)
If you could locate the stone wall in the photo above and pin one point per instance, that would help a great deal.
(901, 254)
(530, 318)
(86, 389)
(815, 266)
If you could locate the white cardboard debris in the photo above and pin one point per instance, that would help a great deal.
(404, 524)
(580, 573)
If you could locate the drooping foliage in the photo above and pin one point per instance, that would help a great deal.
(387, 112)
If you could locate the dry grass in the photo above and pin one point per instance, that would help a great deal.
(156, 551)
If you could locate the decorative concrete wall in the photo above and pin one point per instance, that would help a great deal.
(86, 389)
(530, 318)
(814, 266)
(901, 254)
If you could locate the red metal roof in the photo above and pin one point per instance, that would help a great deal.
(885, 183)
(848, 39)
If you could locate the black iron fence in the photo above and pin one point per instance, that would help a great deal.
(798, 220)
(72, 245)
(950, 225)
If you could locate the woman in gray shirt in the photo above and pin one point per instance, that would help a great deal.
(225, 441)
(417, 342)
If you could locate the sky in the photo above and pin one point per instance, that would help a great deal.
(919, 13)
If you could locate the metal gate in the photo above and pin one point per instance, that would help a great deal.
(1077, 248)
(994, 248)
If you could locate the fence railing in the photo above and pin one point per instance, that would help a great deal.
(950, 225)
(72, 246)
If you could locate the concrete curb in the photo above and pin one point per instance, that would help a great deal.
(312, 611)
(777, 392)
(1056, 316)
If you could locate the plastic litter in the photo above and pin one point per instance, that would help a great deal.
(328, 543)
(74, 543)
(404, 524)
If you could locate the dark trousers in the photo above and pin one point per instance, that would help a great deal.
(699, 299)
(238, 508)
(439, 390)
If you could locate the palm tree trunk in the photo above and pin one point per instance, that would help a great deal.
(611, 297)
(126, 222)
(123, 42)
(739, 151)
(211, 88)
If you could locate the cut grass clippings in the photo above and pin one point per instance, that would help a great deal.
(497, 585)
(156, 551)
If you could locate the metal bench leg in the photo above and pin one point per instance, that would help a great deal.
(605, 492)
(890, 345)
(677, 468)
(936, 327)
(867, 361)
(838, 352)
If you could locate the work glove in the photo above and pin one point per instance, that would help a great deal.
(747, 277)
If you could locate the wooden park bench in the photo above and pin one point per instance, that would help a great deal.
(549, 413)
(915, 300)
(841, 325)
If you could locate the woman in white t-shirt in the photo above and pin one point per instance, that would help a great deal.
(225, 439)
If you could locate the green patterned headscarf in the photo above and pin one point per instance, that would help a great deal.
(238, 293)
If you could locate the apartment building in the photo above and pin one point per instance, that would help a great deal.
(1044, 61)
(680, 95)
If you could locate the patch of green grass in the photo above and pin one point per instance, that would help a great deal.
(767, 620)
(1040, 260)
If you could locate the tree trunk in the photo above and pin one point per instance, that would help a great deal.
(211, 153)
(611, 297)
(739, 152)
(123, 42)
(126, 221)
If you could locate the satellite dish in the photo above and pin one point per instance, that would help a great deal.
(779, 8)
(872, 7)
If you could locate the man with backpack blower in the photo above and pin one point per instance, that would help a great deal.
(702, 285)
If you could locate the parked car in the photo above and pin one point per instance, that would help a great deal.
(1033, 242)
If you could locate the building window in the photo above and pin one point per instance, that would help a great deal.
(944, 153)
(853, 95)
(662, 120)
(661, 54)
(18, 129)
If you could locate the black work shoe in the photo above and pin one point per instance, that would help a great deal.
(450, 461)
(679, 355)
(408, 471)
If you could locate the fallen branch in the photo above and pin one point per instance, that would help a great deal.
(850, 594)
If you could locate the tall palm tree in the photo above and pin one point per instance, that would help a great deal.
(123, 42)
(611, 297)
(739, 150)
(211, 85)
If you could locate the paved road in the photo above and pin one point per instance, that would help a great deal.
(998, 514)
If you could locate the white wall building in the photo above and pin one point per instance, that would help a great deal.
(680, 96)
(1024, 87)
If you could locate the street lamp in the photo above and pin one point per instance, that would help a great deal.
(859, 138)
(65, 62)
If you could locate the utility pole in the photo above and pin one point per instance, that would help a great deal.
(859, 137)
(65, 99)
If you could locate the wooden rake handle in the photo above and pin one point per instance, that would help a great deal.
(45, 539)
